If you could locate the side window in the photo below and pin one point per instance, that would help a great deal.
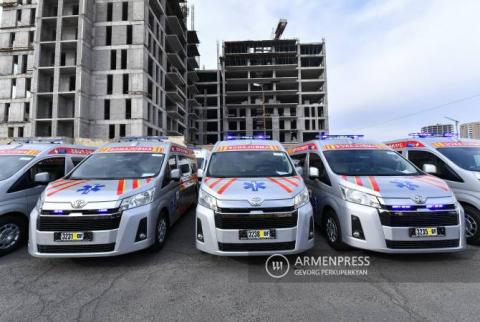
(76, 161)
(299, 159)
(316, 162)
(419, 158)
(54, 166)
(184, 165)
(171, 165)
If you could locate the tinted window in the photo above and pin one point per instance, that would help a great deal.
(11, 164)
(465, 158)
(316, 162)
(299, 159)
(54, 166)
(369, 163)
(419, 158)
(114, 166)
(76, 161)
(248, 164)
(184, 164)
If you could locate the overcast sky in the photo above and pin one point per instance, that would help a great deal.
(385, 59)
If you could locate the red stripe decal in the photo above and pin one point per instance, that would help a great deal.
(135, 184)
(214, 183)
(290, 181)
(358, 181)
(374, 184)
(434, 183)
(226, 185)
(287, 189)
(71, 184)
(121, 187)
(59, 184)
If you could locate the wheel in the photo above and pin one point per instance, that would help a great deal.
(333, 231)
(161, 232)
(13, 233)
(472, 225)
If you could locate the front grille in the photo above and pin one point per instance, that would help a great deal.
(419, 219)
(419, 244)
(255, 247)
(91, 248)
(248, 210)
(79, 223)
(255, 221)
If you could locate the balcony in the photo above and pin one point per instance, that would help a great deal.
(192, 37)
(176, 61)
(174, 43)
(175, 25)
(192, 63)
(175, 77)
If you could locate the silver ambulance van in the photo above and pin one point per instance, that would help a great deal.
(455, 160)
(252, 201)
(202, 156)
(27, 165)
(121, 199)
(367, 196)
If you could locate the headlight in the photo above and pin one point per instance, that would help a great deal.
(360, 197)
(40, 201)
(301, 199)
(207, 200)
(140, 199)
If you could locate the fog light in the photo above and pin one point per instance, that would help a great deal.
(199, 230)
(141, 230)
(311, 231)
(357, 230)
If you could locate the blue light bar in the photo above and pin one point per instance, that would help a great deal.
(430, 135)
(245, 137)
(323, 136)
(58, 211)
(438, 206)
(102, 211)
(402, 207)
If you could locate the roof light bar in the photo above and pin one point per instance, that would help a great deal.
(143, 138)
(431, 135)
(246, 137)
(323, 136)
(39, 140)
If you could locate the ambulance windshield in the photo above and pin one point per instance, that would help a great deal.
(250, 164)
(115, 166)
(369, 163)
(10, 164)
(467, 158)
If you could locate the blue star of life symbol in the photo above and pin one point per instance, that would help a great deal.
(254, 185)
(89, 188)
(405, 184)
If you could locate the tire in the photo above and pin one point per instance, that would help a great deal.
(13, 233)
(472, 225)
(333, 231)
(161, 232)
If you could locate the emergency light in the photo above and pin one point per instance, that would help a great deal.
(39, 140)
(431, 135)
(246, 137)
(339, 136)
(143, 138)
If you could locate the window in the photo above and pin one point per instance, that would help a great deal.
(113, 59)
(122, 130)
(129, 35)
(106, 110)
(109, 84)
(108, 37)
(76, 160)
(54, 166)
(63, 59)
(27, 111)
(7, 111)
(420, 158)
(15, 65)
(32, 17)
(184, 164)
(124, 59)
(10, 132)
(20, 132)
(28, 85)
(111, 131)
(171, 165)
(316, 162)
(125, 83)
(11, 41)
(72, 81)
(30, 37)
(128, 109)
(109, 11)
(125, 11)
(299, 160)
(19, 17)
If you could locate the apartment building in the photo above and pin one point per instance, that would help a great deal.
(276, 88)
(470, 130)
(210, 96)
(438, 129)
(102, 68)
(17, 31)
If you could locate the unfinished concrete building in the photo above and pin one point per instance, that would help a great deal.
(101, 68)
(17, 31)
(211, 100)
(276, 88)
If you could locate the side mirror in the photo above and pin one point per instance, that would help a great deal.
(175, 174)
(299, 171)
(313, 172)
(43, 178)
(429, 168)
(200, 173)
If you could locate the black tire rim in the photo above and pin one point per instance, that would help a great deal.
(471, 226)
(9, 235)
(332, 230)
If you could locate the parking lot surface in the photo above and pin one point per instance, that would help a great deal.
(181, 283)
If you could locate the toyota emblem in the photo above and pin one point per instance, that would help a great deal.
(77, 204)
(256, 201)
(419, 199)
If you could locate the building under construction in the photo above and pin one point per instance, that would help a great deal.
(275, 87)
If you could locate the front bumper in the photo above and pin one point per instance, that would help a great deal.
(105, 242)
(396, 240)
(295, 239)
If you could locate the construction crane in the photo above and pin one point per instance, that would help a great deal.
(282, 24)
(457, 122)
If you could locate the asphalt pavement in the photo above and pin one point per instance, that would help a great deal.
(181, 283)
